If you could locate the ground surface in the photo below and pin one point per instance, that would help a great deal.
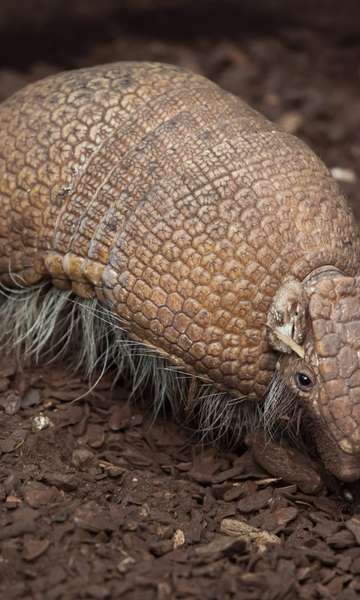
(96, 504)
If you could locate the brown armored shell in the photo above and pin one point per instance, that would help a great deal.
(174, 203)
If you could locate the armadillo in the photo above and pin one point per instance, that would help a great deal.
(165, 208)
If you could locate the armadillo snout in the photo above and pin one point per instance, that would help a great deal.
(344, 466)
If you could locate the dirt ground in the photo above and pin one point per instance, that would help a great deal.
(95, 502)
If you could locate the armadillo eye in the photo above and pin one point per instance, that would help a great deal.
(303, 381)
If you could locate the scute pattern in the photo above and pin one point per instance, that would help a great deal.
(337, 344)
(174, 203)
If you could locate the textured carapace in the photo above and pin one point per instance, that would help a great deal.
(206, 229)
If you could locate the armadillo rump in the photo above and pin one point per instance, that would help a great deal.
(155, 225)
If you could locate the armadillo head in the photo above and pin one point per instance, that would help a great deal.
(316, 327)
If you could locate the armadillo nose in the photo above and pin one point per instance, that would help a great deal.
(345, 467)
(340, 458)
(347, 473)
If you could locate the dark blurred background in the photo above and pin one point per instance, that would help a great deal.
(296, 61)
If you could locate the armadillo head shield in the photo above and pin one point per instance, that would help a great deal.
(334, 310)
(319, 334)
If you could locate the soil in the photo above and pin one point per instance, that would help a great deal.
(98, 502)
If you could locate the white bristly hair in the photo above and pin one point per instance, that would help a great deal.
(47, 324)
(282, 414)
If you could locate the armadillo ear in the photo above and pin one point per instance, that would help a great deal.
(286, 320)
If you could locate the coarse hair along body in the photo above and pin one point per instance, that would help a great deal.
(47, 324)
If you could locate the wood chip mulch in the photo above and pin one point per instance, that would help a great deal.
(97, 502)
